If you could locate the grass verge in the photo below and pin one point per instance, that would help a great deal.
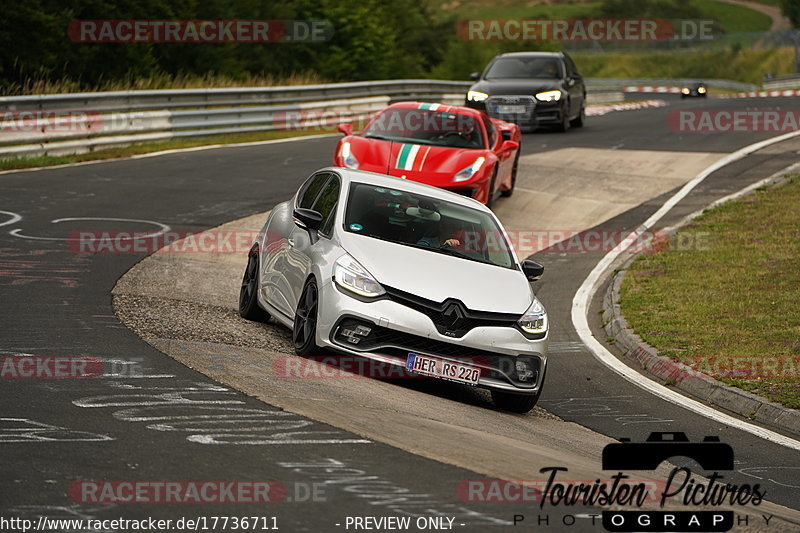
(11, 163)
(722, 295)
(747, 65)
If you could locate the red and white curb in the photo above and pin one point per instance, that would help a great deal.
(762, 94)
(651, 89)
(677, 90)
(597, 110)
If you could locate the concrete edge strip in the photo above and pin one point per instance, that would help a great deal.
(584, 295)
(684, 377)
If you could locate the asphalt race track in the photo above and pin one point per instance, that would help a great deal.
(148, 417)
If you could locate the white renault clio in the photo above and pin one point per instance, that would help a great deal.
(403, 273)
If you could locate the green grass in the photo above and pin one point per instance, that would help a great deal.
(723, 295)
(744, 65)
(11, 163)
(38, 85)
(733, 18)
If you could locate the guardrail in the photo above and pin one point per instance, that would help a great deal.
(782, 82)
(57, 124)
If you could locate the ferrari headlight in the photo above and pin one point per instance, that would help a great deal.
(347, 156)
(467, 173)
(534, 321)
(549, 96)
(350, 275)
(476, 96)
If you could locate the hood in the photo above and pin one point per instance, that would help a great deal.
(433, 165)
(435, 276)
(372, 154)
(516, 86)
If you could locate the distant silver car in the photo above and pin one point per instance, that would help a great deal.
(403, 273)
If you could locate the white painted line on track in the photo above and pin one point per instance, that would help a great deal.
(583, 298)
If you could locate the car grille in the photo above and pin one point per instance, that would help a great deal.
(398, 344)
(451, 317)
(527, 101)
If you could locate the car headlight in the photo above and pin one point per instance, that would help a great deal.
(685, 90)
(467, 173)
(476, 96)
(701, 90)
(534, 321)
(549, 96)
(348, 158)
(350, 275)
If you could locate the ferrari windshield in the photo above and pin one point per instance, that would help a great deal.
(524, 67)
(427, 126)
(427, 223)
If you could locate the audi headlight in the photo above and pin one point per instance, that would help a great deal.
(549, 96)
(348, 158)
(534, 321)
(467, 173)
(350, 275)
(476, 96)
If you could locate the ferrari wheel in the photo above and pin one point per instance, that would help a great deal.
(510, 191)
(490, 193)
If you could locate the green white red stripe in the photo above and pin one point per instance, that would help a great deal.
(411, 157)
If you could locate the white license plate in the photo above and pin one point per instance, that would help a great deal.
(509, 109)
(443, 369)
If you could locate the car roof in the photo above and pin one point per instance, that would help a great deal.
(444, 108)
(382, 180)
(531, 54)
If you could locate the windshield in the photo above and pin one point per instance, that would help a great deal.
(427, 126)
(523, 68)
(426, 223)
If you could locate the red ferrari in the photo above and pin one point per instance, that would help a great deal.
(452, 147)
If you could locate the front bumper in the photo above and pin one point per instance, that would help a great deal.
(396, 330)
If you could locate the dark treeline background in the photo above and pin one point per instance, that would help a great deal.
(373, 39)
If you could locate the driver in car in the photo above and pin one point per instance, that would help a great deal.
(438, 233)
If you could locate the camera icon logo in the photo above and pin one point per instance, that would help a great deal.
(710, 453)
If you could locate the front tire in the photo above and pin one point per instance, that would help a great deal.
(490, 194)
(580, 119)
(248, 294)
(564, 125)
(510, 191)
(304, 332)
(515, 403)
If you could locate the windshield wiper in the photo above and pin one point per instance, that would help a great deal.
(381, 137)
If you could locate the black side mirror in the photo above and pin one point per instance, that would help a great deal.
(307, 219)
(475, 76)
(532, 270)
